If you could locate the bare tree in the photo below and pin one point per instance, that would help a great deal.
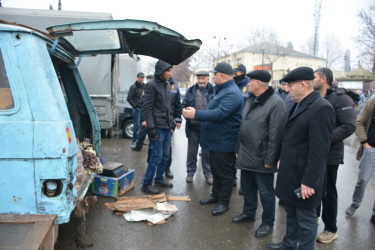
(182, 73)
(366, 36)
(265, 41)
(262, 35)
(332, 52)
(308, 47)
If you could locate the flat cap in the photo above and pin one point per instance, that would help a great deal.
(301, 73)
(224, 68)
(140, 74)
(239, 67)
(202, 73)
(260, 75)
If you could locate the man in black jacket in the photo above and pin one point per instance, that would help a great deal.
(344, 127)
(134, 99)
(157, 112)
(303, 159)
(262, 127)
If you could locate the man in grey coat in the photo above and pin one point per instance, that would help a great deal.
(263, 121)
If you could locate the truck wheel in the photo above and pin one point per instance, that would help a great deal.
(127, 129)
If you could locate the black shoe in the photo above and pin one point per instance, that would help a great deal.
(242, 218)
(373, 219)
(169, 174)
(219, 210)
(235, 183)
(279, 246)
(240, 192)
(164, 184)
(263, 231)
(208, 200)
(281, 203)
(149, 189)
(137, 149)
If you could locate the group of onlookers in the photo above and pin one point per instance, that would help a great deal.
(241, 122)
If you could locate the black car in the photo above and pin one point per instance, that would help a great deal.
(126, 122)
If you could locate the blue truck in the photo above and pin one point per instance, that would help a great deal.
(45, 106)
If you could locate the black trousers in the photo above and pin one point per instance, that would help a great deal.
(222, 173)
(301, 227)
(329, 202)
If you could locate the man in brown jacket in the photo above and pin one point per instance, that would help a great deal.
(366, 153)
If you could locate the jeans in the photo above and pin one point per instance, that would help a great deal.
(136, 123)
(222, 173)
(191, 160)
(251, 184)
(366, 170)
(160, 149)
(329, 201)
(301, 227)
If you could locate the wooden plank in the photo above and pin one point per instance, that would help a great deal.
(27, 231)
(25, 218)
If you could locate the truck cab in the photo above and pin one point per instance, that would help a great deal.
(45, 107)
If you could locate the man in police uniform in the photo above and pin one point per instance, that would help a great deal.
(303, 159)
(242, 81)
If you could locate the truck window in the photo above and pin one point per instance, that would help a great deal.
(6, 97)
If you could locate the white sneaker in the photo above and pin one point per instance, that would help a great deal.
(326, 237)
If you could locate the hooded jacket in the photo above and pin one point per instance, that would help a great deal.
(156, 106)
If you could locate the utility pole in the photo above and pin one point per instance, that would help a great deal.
(59, 8)
(318, 5)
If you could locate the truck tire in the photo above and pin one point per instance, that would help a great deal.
(127, 129)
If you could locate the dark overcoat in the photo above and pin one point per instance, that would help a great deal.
(305, 149)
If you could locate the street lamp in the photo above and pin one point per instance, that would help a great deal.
(218, 47)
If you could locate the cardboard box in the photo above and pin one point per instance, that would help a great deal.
(113, 186)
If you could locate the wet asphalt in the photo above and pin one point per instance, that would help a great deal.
(193, 226)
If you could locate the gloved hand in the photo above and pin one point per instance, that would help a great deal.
(152, 134)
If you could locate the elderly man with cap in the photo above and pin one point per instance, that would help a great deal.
(134, 99)
(219, 134)
(197, 97)
(157, 112)
(303, 158)
(263, 121)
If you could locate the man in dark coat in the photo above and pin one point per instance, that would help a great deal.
(263, 122)
(344, 127)
(197, 96)
(303, 159)
(157, 112)
(134, 99)
(219, 134)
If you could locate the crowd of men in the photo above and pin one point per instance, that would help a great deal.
(241, 122)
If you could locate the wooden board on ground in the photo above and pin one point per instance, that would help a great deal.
(27, 231)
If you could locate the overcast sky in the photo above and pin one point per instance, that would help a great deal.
(292, 20)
